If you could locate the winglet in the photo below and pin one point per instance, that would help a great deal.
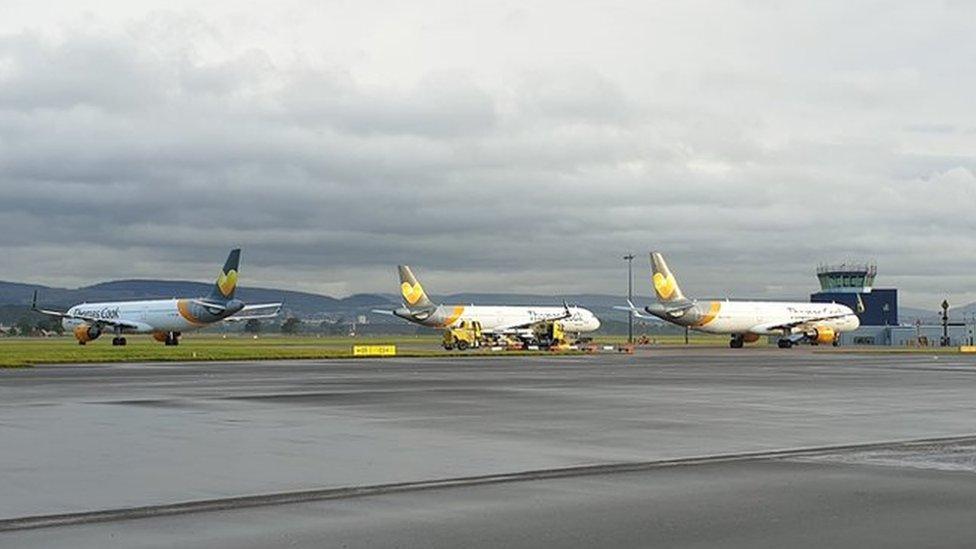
(34, 301)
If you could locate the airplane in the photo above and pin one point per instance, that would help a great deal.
(495, 320)
(165, 319)
(747, 321)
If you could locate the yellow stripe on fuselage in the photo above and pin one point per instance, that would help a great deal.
(455, 314)
(713, 310)
(183, 306)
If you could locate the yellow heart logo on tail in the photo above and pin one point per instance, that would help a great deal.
(664, 286)
(411, 293)
(227, 282)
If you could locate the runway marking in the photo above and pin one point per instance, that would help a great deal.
(304, 496)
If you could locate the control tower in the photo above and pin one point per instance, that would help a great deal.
(845, 282)
(847, 278)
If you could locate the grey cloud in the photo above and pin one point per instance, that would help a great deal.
(133, 154)
(441, 105)
(84, 71)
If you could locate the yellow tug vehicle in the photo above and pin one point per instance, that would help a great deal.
(550, 335)
(547, 335)
(464, 336)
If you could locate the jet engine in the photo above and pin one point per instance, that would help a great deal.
(823, 336)
(160, 336)
(86, 333)
(750, 338)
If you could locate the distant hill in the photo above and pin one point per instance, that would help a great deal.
(962, 313)
(15, 297)
(302, 304)
(908, 315)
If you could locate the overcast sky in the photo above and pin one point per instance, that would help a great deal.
(496, 146)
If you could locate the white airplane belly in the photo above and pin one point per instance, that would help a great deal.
(169, 319)
(729, 325)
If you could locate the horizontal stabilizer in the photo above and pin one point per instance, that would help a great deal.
(256, 312)
(633, 310)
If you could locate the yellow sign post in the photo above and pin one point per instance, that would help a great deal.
(374, 350)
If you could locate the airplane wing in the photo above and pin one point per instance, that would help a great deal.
(787, 326)
(114, 322)
(528, 325)
(255, 312)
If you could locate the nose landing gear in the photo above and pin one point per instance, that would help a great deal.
(737, 341)
(172, 339)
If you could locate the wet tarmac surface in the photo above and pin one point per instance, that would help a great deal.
(87, 438)
(756, 504)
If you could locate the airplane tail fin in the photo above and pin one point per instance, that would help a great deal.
(223, 289)
(411, 290)
(665, 285)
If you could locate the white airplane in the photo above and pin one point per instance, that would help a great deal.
(746, 321)
(498, 320)
(165, 319)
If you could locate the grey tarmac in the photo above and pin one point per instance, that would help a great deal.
(79, 439)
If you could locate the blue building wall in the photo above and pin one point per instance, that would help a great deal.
(880, 305)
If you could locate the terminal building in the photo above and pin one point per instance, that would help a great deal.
(845, 283)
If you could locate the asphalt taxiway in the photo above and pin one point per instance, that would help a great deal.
(682, 447)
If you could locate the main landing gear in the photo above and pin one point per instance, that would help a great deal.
(172, 339)
(784, 343)
(737, 341)
(118, 342)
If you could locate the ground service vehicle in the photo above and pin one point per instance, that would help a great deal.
(465, 335)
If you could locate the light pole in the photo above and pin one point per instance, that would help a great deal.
(630, 296)
(945, 323)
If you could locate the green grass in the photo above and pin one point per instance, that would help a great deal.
(24, 351)
(17, 351)
(694, 339)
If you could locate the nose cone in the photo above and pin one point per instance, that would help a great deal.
(593, 324)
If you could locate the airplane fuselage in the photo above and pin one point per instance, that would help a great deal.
(158, 315)
(494, 318)
(759, 317)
